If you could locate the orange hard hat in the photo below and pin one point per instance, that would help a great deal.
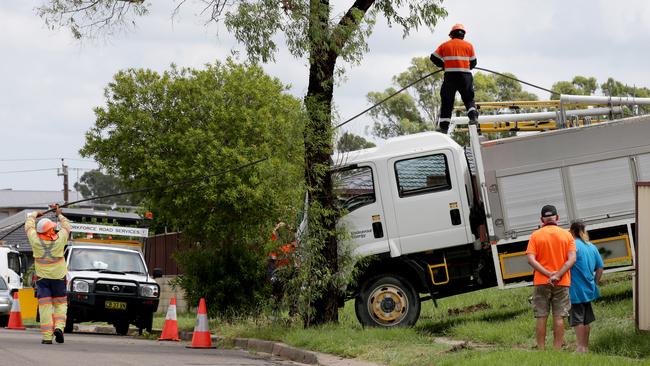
(457, 26)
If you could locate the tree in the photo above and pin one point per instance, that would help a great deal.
(498, 88)
(311, 30)
(186, 124)
(580, 85)
(411, 111)
(352, 142)
(95, 183)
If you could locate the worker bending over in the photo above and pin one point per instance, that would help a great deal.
(457, 57)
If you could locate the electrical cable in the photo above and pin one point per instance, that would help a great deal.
(514, 78)
(386, 99)
(431, 74)
(182, 182)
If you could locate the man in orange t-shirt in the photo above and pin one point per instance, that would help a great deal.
(551, 252)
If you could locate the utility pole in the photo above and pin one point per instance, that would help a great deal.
(64, 172)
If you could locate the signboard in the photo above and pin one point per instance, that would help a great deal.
(110, 230)
(641, 284)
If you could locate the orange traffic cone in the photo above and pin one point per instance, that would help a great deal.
(170, 329)
(201, 337)
(15, 319)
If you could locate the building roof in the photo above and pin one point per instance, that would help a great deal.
(18, 239)
(10, 198)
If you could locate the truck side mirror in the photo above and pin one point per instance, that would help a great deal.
(157, 272)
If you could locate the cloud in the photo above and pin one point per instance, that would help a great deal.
(50, 83)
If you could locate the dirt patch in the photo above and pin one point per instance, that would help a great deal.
(469, 309)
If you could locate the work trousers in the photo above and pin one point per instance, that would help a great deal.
(453, 82)
(52, 305)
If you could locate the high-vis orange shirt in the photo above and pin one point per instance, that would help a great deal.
(456, 55)
(551, 246)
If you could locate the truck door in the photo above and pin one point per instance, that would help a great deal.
(427, 198)
(357, 191)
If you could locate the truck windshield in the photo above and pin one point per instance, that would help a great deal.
(354, 187)
(13, 260)
(3, 284)
(85, 259)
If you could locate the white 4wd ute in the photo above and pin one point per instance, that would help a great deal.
(110, 283)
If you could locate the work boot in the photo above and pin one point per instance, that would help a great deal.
(58, 335)
(46, 341)
(443, 127)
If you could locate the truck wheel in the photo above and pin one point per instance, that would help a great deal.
(121, 327)
(387, 301)
(69, 325)
(4, 320)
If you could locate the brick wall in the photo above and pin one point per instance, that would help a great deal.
(166, 293)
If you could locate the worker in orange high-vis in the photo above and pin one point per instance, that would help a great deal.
(457, 57)
(47, 246)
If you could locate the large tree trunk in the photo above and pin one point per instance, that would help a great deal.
(318, 149)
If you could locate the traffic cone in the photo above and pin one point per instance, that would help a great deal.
(201, 337)
(15, 318)
(170, 329)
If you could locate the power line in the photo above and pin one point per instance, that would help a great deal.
(429, 75)
(178, 183)
(27, 171)
(521, 81)
(386, 99)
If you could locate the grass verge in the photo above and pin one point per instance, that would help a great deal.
(499, 321)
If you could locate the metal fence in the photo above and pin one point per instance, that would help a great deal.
(159, 250)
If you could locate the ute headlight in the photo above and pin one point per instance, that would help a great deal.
(80, 286)
(149, 291)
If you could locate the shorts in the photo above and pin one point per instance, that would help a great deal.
(555, 297)
(581, 314)
(46, 287)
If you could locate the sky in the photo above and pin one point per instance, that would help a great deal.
(50, 83)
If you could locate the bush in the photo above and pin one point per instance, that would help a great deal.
(231, 277)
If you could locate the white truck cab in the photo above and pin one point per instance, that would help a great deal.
(12, 267)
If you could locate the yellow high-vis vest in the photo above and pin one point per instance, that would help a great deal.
(48, 255)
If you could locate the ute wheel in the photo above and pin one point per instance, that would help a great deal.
(387, 301)
(69, 325)
(121, 327)
(4, 320)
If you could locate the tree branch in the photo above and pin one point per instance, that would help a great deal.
(342, 33)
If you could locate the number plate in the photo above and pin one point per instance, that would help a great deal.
(115, 305)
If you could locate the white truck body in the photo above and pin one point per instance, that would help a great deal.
(11, 267)
(413, 205)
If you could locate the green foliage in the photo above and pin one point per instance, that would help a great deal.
(89, 18)
(580, 85)
(94, 183)
(414, 109)
(232, 277)
(352, 142)
(185, 124)
(497, 88)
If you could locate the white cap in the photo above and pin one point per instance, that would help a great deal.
(42, 224)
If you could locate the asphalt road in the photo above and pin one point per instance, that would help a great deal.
(22, 348)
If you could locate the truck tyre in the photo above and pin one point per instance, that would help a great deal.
(121, 327)
(387, 301)
(69, 325)
(4, 320)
